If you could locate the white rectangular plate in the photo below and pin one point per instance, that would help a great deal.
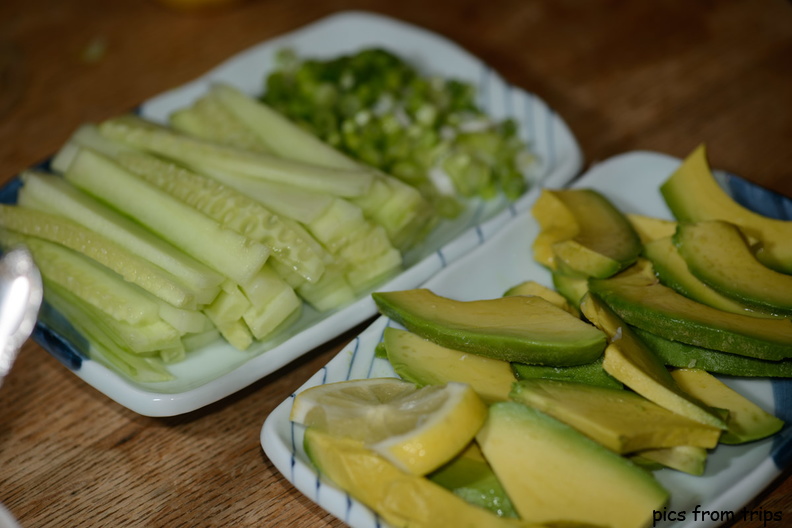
(217, 371)
(734, 474)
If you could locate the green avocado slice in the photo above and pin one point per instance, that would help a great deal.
(623, 421)
(681, 355)
(746, 422)
(641, 300)
(526, 329)
(693, 194)
(470, 477)
(584, 231)
(629, 360)
(688, 459)
(673, 271)
(716, 253)
(426, 363)
(589, 374)
(556, 475)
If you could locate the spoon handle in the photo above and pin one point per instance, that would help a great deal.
(21, 294)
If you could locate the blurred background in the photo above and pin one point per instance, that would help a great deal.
(625, 75)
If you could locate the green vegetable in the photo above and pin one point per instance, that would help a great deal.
(51, 193)
(427, 131)
(131, 266)
(223, 250)
(227, 116)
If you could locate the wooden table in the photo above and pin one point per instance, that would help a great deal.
(662, 76)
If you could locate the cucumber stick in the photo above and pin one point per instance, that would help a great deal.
(88, 136)
(198, 154)
(272, 303)
(194, 233)
(331, 291)
(141, 322)
(236, 333)
(88, 280)
(286, 200)
(264, 287)
(266, 321)
(229, 305)
(389, 202)
(334, 222)
(337, 224)
(277, 132)
(104, 348)
(47, 192)
(100, 272)
(226, 314)
(400, 209)
(289, 243)
(70, 234)
(207, 119)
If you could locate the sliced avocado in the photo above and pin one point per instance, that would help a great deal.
(681, 355)
(573, 286)
(746, 422)
(621, 420)
(688, 459)
(590, 373)
(603, 241)
(651, 228)
(423, 362)
(399, 498)
(531, 287)
(716, 253)
(693, 195)
(672, 270)
(553, 473)
(641, 300)
(471, 478)
(556, 223)
(630, 361)
(523, 329)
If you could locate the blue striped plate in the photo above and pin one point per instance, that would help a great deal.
(734, 475)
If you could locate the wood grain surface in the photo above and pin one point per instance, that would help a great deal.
(662, 75)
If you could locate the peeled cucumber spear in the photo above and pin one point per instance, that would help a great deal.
(249, 123)
(337, 223)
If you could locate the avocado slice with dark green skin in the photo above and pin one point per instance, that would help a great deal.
(641, 300)
(673, 271)
(693, 195)
(604, 241)
(423, 362)
(717, 254)
(681, 355)
(590, 374)
(570, 284)
(630, 361)
(747, 422)
(622, 421)
(471, 478)
(526, 329)
(688, 459)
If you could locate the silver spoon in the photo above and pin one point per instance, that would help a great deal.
(20, 298)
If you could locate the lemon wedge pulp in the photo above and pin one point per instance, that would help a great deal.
(417, 429)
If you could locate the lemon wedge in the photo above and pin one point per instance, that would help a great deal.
(417, 429)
